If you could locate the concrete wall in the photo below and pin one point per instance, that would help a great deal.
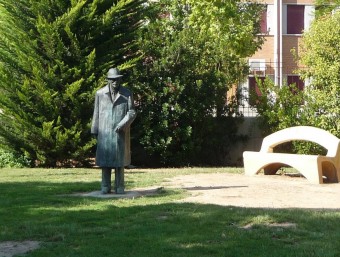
(249, 128)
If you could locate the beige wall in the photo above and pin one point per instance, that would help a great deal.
(267, 53)
(298, 1)
(284, 1)
(289, 60)
(289, 42)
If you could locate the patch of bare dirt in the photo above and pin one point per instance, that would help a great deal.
(260, 191)
(13, 248)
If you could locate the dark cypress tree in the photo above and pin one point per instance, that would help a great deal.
(54, 55)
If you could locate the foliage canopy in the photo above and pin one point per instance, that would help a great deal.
(53, 55)
(320, 54)
(326, 6)
(193, 53)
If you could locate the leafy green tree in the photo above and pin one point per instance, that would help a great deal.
(278, 108)
(318, 105)
(53, 55)
(326, 6)
(281, 108)
(192, 55)
(321, 57)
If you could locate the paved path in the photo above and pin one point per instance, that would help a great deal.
(257, 191)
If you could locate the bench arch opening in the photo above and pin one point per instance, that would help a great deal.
(329, 173)
(290, 147)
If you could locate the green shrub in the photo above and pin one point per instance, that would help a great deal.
(320, 56)
(13, 160)
(280, 108)
(181, 81)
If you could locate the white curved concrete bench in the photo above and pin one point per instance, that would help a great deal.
(313, 167)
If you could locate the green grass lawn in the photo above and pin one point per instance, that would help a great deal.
(37, 204)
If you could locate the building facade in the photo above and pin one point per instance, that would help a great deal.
(283, 22)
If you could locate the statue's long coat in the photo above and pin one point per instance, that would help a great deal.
(113, 148)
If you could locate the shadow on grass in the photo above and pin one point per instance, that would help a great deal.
(156, 226)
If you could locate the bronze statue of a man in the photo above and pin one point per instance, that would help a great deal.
(113, 114)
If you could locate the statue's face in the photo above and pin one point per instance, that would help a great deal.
(114, 82)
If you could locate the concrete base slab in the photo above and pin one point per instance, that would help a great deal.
(128, 194)
(14, 248)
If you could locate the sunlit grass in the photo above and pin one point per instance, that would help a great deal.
(39, 204)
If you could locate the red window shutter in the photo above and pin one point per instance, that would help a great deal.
(295, 19)
(294, 79)
(264, 21)
(254, 90)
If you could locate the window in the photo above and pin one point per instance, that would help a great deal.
(254, 90)
(294, 79)
(263, 23)
(257, 66)
(295, 19)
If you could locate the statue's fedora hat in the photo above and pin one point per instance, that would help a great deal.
(114, 73)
